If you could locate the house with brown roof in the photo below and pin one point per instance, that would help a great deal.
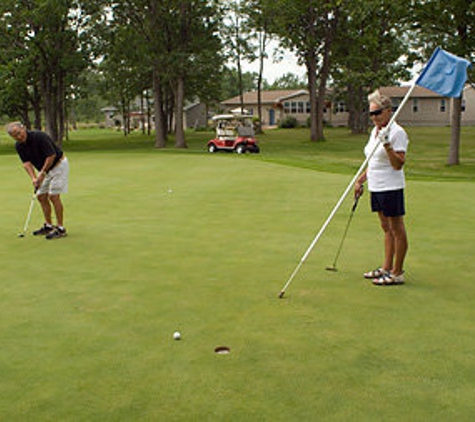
(424, 107)
(272, 103)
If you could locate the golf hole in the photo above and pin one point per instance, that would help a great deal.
(222, 350)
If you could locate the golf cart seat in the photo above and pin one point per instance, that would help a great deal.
(245, 131)
(225, 133)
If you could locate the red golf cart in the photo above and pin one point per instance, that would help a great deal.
(234, 132)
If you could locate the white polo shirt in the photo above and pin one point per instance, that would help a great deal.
(381, 175)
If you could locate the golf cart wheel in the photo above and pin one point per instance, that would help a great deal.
(212, 148)
(241, 149)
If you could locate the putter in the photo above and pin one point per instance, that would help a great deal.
(25, 228)
(353, 208)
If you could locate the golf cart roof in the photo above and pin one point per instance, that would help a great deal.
(232, 117)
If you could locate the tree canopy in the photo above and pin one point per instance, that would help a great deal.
(171, 51)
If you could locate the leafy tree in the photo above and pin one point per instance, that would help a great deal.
(88, 98)
(19, 84)
(287, 81)
(369, 52)
(43, 38)
(176, 43)
(122, 69)
(230, 84)
(195, 52)
(308, 28)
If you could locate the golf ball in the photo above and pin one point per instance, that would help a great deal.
(176, 335)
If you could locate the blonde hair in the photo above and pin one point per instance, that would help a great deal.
(382, 101)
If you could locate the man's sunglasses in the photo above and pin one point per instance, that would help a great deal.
(376, 112)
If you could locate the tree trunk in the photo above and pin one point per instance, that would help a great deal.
(36, 104)
(320, 106)
(262, 48)
(169, 111)
(142, 112)
(149, 116)
(49, 95)
(238, 64)
(180, 141)
(61, 108)
(125, 116)
(455, 139)
(25, 115)
(241, 93)
(160, 133)
(325, 72)
(311, 64)
(357, 118)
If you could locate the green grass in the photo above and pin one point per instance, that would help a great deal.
(165, 240)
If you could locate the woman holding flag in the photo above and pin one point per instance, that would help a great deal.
(386, 183)
(444, 74)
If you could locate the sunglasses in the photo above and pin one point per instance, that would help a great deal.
(377, 112)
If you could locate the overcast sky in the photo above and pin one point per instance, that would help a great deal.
(273, 69)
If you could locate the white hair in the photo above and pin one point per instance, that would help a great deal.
(382, 101)
(14, 125)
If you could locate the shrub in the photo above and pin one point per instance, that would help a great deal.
(289, 122)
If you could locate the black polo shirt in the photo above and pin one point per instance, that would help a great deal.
(37, 147)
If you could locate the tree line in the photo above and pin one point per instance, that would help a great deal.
(169, 51)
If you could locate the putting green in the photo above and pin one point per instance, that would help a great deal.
(202, 244)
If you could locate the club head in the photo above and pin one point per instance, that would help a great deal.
(333, 268)
(281, 295)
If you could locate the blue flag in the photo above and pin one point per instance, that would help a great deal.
(444, 73)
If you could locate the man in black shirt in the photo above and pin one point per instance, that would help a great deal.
(48, 168)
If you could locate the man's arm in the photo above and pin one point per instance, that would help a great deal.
(38, 178)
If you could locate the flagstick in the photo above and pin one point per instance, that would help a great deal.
(345, 193)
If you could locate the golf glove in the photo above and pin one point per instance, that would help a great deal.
(383, 136)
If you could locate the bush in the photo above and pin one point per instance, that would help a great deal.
(289, 122)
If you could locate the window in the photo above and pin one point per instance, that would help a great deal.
(340, 107)
(442, 105)
(415, 105)
(300, 107)
(395, 104)
(307, 106)
(293, 107)
(287, 107)
(463, 105)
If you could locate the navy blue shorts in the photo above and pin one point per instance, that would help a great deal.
(390, 203)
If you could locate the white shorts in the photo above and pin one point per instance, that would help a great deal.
(56, 180)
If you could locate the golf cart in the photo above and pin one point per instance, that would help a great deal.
(234, 132)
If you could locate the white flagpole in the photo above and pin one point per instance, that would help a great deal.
(345, 193)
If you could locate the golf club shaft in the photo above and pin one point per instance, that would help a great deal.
(344, 234)
(30, 209)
